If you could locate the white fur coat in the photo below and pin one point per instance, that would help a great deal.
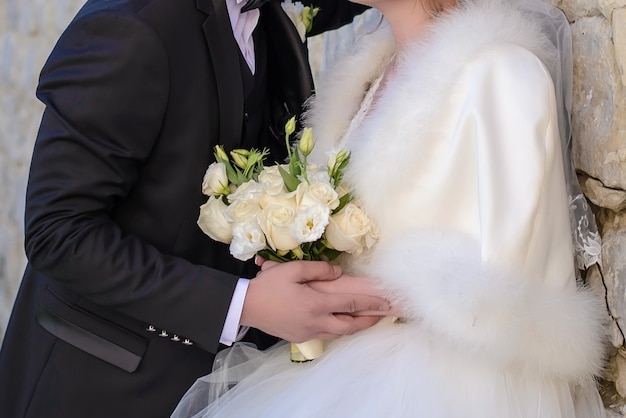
(458, 163)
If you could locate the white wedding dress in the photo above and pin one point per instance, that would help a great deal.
(392, 370)
(458, 163)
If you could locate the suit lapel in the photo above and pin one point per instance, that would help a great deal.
(225, 59)
(288, 58)
(288, 66)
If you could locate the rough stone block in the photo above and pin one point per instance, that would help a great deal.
(619, 40)
(602, 196)
(598, 107)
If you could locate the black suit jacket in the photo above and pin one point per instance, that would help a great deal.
(124, 299)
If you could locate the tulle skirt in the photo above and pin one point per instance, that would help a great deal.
(390, 370)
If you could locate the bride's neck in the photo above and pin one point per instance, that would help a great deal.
(408, 20)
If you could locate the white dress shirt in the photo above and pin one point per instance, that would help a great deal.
(243, 25)
(232, 331)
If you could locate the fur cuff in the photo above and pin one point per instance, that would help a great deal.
(491, 315)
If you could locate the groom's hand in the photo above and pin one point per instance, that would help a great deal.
(285, 300)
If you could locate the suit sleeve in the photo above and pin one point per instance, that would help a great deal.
(105, 88)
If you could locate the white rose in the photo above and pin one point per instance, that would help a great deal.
(314, 173)
(249, 190)
(372, 235)
(271, 181)
(212, 220)
(294, 11)
(241, 210)
(319, 176)
(313, 168)
(276, 222)
(286, 199)
(314, 193)
(248, 239)
(310, 223)
(347, 229)
(215, 181)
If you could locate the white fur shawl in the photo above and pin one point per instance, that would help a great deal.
(485, 312)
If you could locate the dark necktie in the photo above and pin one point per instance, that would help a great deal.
(253, 4)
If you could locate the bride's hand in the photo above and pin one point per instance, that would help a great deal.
(282, 302)
(344, 284)
(354, 284)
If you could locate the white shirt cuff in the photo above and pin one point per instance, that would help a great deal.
(232, 331)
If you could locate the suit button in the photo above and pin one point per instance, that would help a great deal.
(151, 328)
(163, 334)
(187, 342)
(175, 338)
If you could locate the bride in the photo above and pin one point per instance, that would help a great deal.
(457, 137)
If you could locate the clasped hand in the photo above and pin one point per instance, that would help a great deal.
(303, 300)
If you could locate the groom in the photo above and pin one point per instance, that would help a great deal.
(124, 301)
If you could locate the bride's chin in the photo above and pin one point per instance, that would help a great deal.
(363, 2)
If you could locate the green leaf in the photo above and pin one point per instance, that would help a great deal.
(255, 162)
(241, 177)
(231, 174)
(331, 254)
(343, 201)
(295, 165)
(339, 169)
(271, 255)
(291, 181)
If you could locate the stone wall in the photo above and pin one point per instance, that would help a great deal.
(28, 29)
(599, 130)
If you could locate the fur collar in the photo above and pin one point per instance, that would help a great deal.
(423, 71)
(413, 107)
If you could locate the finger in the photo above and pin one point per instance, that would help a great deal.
(366, 321)
(258, 260)
(391, 312)
(307, 271)
(340, 324)
(350, 303)
(347, 284)
(267, 264)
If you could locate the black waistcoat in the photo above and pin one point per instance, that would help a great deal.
(256, 132)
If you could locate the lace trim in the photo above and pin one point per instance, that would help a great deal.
(366, 103)
(368, 99)
(587, 241)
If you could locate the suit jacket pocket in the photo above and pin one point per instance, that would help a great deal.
(90, 333)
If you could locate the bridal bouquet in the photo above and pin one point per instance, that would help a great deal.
(283, 212)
